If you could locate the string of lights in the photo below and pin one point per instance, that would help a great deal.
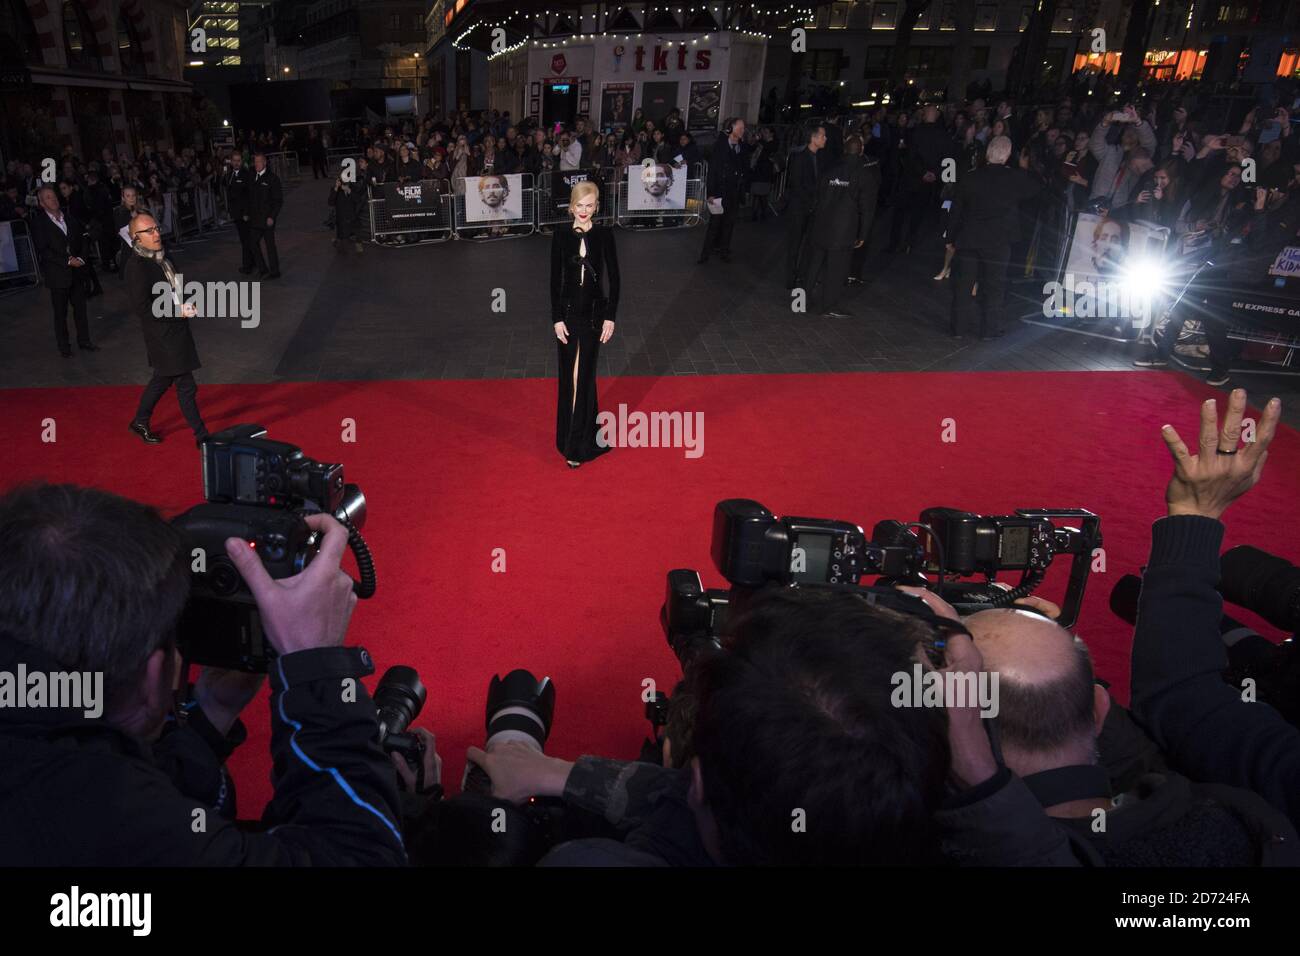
(798, 12)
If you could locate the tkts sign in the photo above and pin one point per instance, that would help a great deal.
(663, 59)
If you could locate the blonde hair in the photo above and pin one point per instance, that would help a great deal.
(581, 190)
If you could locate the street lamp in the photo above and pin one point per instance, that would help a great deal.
(417, 84)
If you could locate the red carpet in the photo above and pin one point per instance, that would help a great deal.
(455, 469)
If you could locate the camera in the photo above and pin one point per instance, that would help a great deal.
(399, 697)
(754, 549)
(519, 707)
(260, 491)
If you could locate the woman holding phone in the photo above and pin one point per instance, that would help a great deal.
(584, 300)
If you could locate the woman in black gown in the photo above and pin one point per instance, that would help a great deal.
(583, 262)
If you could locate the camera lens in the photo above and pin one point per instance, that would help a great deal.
(520, 707)
(398, 699)
(223, 579)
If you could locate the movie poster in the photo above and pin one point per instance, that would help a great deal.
(616, 106)
(1102, 248)
(494, 198)
(655, 186)
(706, 95)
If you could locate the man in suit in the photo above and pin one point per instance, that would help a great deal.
(60, 245)
(265, 198)
(984, 225)
(726, 172)
(806, 167)
(153, 289)
(236, 180)
(846, 208)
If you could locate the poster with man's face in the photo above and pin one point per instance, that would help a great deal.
(494, 198)
(1103, 247)
(653, 186)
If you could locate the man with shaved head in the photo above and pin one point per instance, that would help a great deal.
(154, 288)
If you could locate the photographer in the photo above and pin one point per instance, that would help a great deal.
(800, 757)
(91, 582)
(1204, 726)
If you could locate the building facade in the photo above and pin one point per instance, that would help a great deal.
(91, 74)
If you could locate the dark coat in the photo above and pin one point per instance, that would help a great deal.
(846, 203)
(53, 248)
(168, 339)
(727, 169)
(806, 168)
(602, 258)
(265, 198)
(346, 202)
(986, 208)
(236, 182)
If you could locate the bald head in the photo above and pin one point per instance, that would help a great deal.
(1050, 708)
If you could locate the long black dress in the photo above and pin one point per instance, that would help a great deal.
(584, 294)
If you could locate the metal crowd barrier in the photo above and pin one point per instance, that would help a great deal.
(691, 215)
(525, 224)
(383, 223)
(550, 214)
(29, 268)
(194, 213)
(284, 165)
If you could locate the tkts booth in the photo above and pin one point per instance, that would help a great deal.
(608, 78)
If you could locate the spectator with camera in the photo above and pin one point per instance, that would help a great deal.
(137, 785)
(1207, 729)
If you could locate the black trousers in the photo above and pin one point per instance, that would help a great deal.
(836, 262)
(245, 243)
(187, 392)
(796, 230)
(718, 236)
(59, 301)
(318, 168)
(258, 235)
(988, 267)
(910, 214)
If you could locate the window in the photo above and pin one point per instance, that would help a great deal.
(878, 58)
(979, 58)
(822, 66)
(128, 46)
(884, 16)
(18, 43)
(840, 15)
(79, 38)
(986, 17)
(394, 21)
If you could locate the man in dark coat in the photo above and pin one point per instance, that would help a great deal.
(984, 225)
(846, 208)
(806, 167)
(60, 245)
(265, 197)
(153, 287)
(235, 180)
(727, 166)
(346, 198)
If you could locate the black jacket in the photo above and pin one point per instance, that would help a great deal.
(77, 792)
(846, 203)
(236, 182)
(727, 168)
(806, 169)
(986, 207)
(168, 340)
(347, 201)
(1178, 694)
(602, 259)
(53, 248)
(264, 198)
